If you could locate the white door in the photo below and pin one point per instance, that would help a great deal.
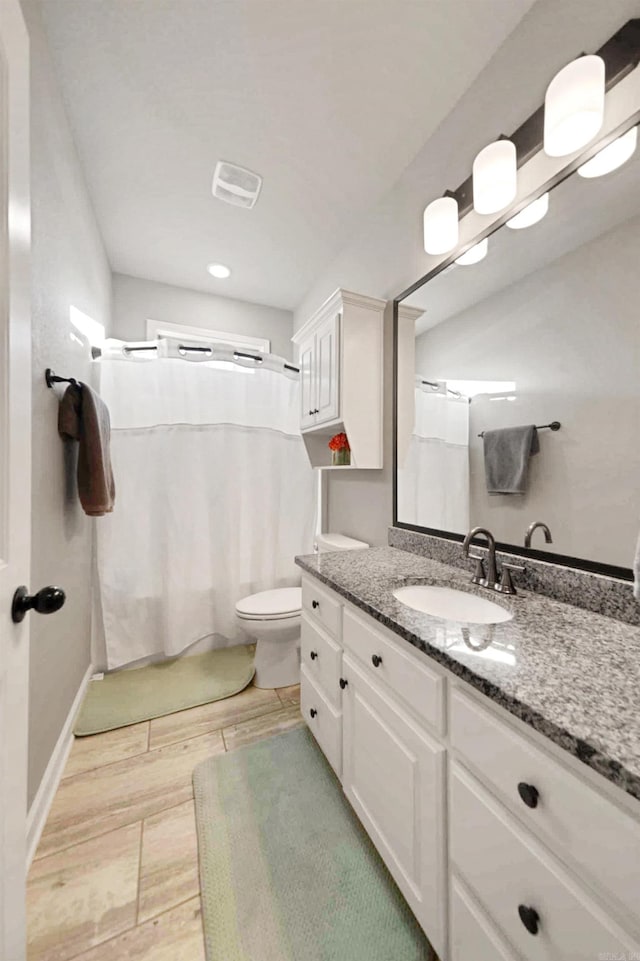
(393, 774)
(327, 370)
(15, 469)
(307, 384)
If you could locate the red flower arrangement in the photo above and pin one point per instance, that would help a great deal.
(339, 442)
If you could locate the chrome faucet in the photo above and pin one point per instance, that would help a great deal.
(489, 579)
(532, 527)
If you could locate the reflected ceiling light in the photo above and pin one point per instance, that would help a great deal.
(441, 226)
(574, 106)
(219, 271)
(531, 214)
(612, 156)
(474, 255)
(495, 175)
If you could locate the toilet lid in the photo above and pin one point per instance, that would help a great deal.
(283, 600)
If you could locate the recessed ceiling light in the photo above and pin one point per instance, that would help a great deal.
(531, 214)
(474, 255)
(219, 271)
(611, 157)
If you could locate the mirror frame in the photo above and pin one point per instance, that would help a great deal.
(595, 567)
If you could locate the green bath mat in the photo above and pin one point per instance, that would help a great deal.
(287, 871)
(127, 697)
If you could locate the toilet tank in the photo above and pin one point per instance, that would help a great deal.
(337, 542)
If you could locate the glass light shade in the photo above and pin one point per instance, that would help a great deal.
(495, 176)
(574, 106)
(475, 254)
(441, 226)
(612, 156)
(531, 214)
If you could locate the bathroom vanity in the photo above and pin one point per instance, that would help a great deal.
(496, 767)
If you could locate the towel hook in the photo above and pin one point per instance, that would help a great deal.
(52, 379)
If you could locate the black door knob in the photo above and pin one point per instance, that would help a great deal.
(47, 601)
(313, 655)
(315, 604)
(343, 683)
(529, 917)
(313, 712)
(376, 660)
(529, 794)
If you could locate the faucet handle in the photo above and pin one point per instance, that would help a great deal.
(506, 583)
(479, 575)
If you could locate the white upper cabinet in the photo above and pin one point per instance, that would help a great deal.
(340, 354)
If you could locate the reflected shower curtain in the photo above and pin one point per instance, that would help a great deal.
(215, 497)
(433, 483)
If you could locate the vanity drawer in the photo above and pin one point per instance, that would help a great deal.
(473, 937)
(579, 823)
(322, 658)
(411, 680)
(325, 723)
(322, 607)
(506, 868)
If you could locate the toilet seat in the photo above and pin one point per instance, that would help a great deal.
(275, 605)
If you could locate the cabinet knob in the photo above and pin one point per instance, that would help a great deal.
(313, 712)
(376, 660)
(529, 794)
(315, 604)
(313, 655)
(343, 683)
(310, 413)
(530, 918)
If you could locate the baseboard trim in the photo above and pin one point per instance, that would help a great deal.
(41, 804)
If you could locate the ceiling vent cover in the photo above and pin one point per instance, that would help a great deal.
(236, 185)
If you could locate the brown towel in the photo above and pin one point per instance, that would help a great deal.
(84, 417)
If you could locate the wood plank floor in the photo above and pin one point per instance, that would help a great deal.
(115, 876)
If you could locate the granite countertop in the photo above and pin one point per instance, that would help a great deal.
(571, 674)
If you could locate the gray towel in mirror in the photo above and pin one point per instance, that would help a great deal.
(506, 458)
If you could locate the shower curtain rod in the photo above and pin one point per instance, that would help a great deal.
(97, 352)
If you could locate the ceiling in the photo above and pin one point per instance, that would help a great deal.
(329, 100)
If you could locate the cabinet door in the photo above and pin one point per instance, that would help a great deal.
(307, 384)
(327, 363)
(393, 775)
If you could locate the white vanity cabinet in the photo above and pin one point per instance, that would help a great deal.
(505, 846)
(340, 355)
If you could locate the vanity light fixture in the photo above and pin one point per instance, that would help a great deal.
(495, 174)
(441, 226)
(219, 271)
(612, 156)
(475, 254)
(574, 106)
(531, 214)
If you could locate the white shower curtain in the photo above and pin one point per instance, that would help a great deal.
(215, 497)
(433, 483)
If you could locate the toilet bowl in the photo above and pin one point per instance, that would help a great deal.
(274, 620)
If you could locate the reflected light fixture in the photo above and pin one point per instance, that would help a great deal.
(441, 226)
(495, 173)
(574, 106)
(612, 156)
(219, 271)
(531, 214)
(475, 254)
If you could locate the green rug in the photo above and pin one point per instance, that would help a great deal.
(127, 697)
(287, 871)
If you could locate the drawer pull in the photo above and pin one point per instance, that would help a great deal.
(529, 917)
(313, 655)
(315, 604)
(376, 660)
(313, 712)
(343, 683)
(529, 794)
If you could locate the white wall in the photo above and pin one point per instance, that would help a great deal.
(136, 300)
(385, 254)
(69, 268)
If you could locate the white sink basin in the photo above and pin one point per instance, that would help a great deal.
(452, 605)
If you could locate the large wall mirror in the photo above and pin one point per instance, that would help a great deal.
(543, 330)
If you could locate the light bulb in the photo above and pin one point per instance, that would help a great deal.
(219, 271)
(495, 175)
(574, 106)
(612, 156)
(531, 214)
(475, 254)
(441, 226)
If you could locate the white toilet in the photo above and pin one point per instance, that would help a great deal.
(274, 618)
